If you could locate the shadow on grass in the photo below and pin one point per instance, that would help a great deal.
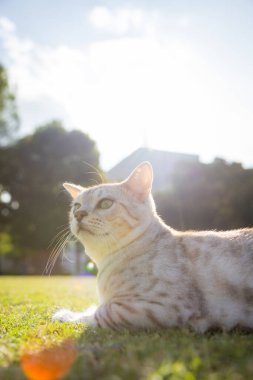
(162, 355)
(166, 354)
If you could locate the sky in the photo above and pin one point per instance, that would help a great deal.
(174, 75)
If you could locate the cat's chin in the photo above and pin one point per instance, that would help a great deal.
(85, 230)
(79, 230)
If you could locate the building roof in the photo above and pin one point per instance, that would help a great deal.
(163, 163)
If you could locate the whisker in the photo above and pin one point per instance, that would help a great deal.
(97, 171)
(65, 257)
(63, 225)
(56, 255)
(64, 230)
(59, 246)
(59, 240)
(93, 179)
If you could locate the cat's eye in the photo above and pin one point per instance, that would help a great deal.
(76, 206)
(105, 203)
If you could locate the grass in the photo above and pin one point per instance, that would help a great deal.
(26, 307)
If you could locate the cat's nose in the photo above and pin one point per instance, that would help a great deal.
(80, 214)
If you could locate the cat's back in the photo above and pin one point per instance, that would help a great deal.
(218, 257)
(235, 247)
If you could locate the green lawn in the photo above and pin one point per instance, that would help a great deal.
(26, 306)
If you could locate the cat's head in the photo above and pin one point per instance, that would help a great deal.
(108, 217)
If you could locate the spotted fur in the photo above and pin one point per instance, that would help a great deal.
(152, 276)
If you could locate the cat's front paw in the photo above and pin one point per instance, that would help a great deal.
(64, 315)
(87, 317)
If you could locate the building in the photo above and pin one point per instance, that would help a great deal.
(163, 162)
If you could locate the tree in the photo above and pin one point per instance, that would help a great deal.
(33, 170)
(208, 196)
(9, 120)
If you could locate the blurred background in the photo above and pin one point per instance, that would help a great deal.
(91, 88)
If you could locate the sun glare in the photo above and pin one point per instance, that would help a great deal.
(138, 70)
(143, 84)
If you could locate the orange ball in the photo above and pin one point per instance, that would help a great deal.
(49, 364)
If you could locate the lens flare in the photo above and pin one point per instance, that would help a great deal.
(50, 363)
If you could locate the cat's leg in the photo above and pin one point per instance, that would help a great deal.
(125, 314)
(117, 315)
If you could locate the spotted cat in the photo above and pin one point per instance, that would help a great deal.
(151, 276)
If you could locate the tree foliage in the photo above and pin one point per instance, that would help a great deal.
(33, 205)
(33, 170)
(208, 196)
(9, 120)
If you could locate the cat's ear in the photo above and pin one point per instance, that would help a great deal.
(74, 190)
(140, 181)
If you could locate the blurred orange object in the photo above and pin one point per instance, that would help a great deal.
(50, 363)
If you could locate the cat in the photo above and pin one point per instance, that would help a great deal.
(151, 276)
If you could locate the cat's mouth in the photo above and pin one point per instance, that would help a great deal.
(83, 228)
